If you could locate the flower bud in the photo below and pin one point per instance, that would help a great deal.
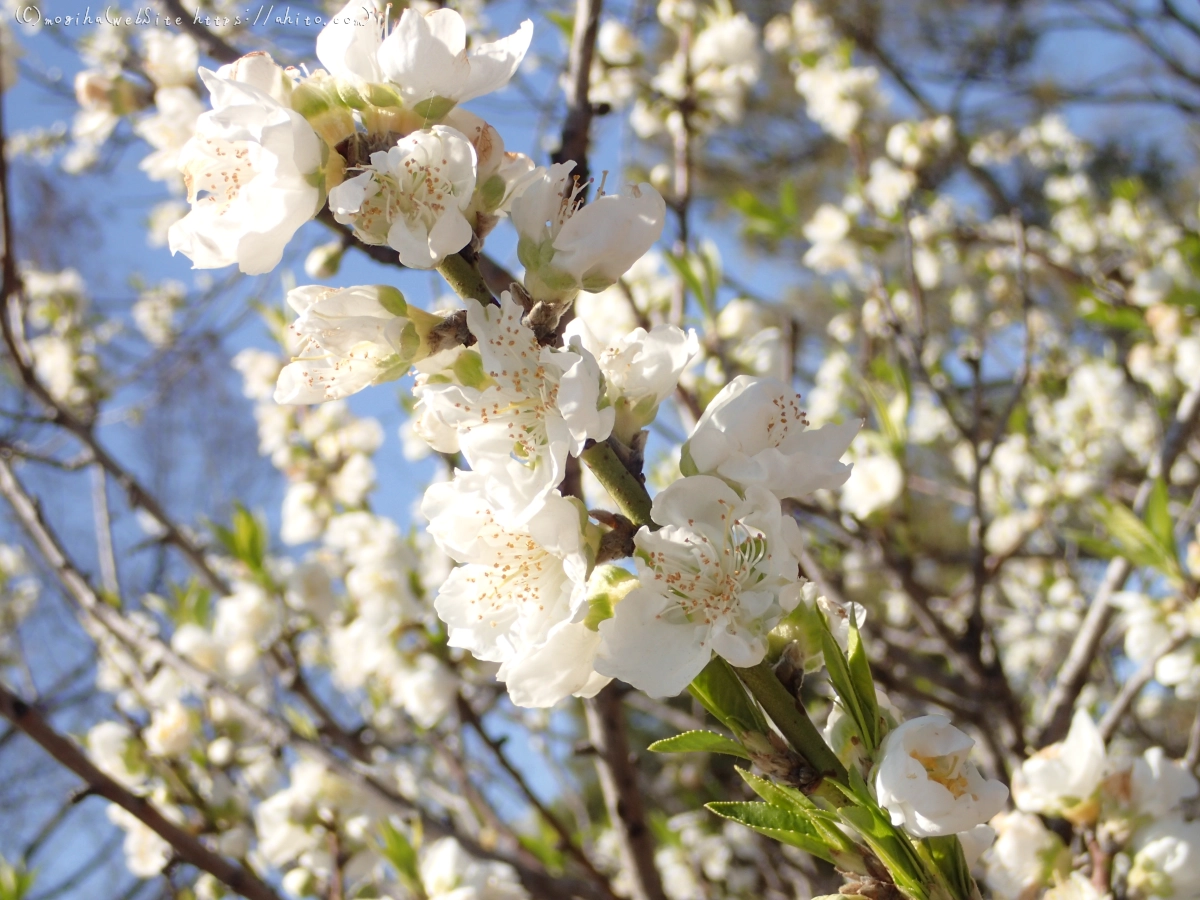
(325, 261)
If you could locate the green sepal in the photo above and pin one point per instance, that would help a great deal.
(607, 587)
(491, 192)
(392, 300)
(434, 109)
(468, 370)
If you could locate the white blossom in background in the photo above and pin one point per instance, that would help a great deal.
(567, 247)
(146, 854)
(717, 577)
(1024, 857)
(413, 196)
(168, 131)
(927, 782)
(249, 170)
(1062, 777)
(169, 58)
(155, 312)
(876, 480)
(537, 405)
(449, 873)
(755, 433)
(519, 596)
(1166, 864)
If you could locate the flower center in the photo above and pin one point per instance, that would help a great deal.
(946, 771)
(220, 174)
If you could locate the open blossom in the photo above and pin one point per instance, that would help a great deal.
(519, 596)
(754, 433)
(249, 170)
(567, 247)
(1061, 778)
(537, 406)
(927, 782)
(425, 56)
(412, 197)
(348, 338)
(717, 577)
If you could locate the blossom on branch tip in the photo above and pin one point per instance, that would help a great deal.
(927, 783)
(251, 170)
(567, 247)
(425, 56)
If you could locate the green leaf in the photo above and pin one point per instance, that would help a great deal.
(782, 825)
(846, 853)
(892, 847)
(721, 692)
(564, 23)
(684, 268)
(843, 683)
(946, 854)
(700, 742)
(15, 881)
(301, 723)
(895, 432)
(398, 850)
(245, 539)
(864, 686)
(1137, 542)
(1158, 515)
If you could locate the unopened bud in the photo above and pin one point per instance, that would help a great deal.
(325, 261)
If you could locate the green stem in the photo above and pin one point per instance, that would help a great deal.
(622, 486)
(791, 719)
(465, 278)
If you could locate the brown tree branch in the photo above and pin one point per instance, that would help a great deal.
(187, 846)
(622, 795)
(576, 132)
(1074, 672)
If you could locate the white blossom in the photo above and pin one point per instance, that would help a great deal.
(536, 406)
(425, 55)
(927, 783)
(412, 197)
(716, 577)
(1063, 775)
(253, 159)
(449, 873)
(518, 599)
(348, 339)
(754, 433)
(567, 247)
(1166, 865)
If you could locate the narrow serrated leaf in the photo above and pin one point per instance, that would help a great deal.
(722, 693)
(699, 742)
(780, 824)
